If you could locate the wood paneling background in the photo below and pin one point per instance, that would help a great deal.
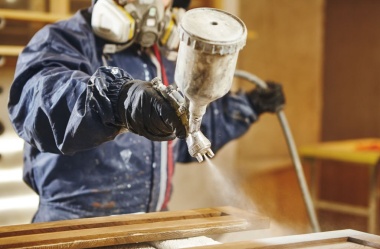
(351, 98)
(351, 94)
(327, 55)
(288, 49)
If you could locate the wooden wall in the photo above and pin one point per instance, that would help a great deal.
(351, 93)
(327, 55)
(288, 48)
(351, 99)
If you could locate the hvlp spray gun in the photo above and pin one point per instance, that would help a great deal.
(210, 41)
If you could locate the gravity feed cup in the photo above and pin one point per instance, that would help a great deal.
(210, 41)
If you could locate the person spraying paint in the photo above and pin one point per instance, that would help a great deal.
(99, 139)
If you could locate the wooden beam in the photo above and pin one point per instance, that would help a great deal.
(130, 228)
(32, 16)
(37, 5)
(6, 50)
(61, 7)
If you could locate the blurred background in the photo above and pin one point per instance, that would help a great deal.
(326, 54)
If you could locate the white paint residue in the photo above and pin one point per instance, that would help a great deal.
(146, 73)
(126, 155)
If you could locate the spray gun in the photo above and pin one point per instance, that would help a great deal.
(210, 40)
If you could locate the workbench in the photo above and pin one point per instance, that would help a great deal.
(361, 152)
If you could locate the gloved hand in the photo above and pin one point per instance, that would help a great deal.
(271, 99)
(147, 113)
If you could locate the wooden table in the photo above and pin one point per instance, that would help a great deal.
(363, 152)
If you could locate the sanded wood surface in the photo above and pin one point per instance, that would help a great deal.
(130, 228)
(342, 239)
(33, 16)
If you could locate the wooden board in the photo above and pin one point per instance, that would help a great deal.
(343, 239)
(130, 228)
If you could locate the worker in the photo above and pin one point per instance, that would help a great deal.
(99, 139)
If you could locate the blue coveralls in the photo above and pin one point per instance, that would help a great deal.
(76, 156)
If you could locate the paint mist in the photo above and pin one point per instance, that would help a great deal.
(226, 188)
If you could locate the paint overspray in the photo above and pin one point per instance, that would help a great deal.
(227, 190)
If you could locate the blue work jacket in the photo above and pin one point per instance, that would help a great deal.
(77, 157)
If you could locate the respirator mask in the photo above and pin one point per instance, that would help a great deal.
(145, 22)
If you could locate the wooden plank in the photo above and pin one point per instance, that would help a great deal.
(32, 16)
(130, 228)
(333, 240)
(254, 220)
(107, 221)
(125, 234)
(7, 50)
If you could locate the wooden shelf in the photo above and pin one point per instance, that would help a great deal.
(8, 50)
(33, 16)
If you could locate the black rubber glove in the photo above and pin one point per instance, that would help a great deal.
(147, 113)
(271, 99)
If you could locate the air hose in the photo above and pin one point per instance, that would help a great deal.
(292, 149)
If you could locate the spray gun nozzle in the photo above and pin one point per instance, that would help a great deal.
(209, 153)
(199, 146)
(199, 157)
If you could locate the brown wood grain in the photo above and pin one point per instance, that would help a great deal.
(130, 219)
(131, 228)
